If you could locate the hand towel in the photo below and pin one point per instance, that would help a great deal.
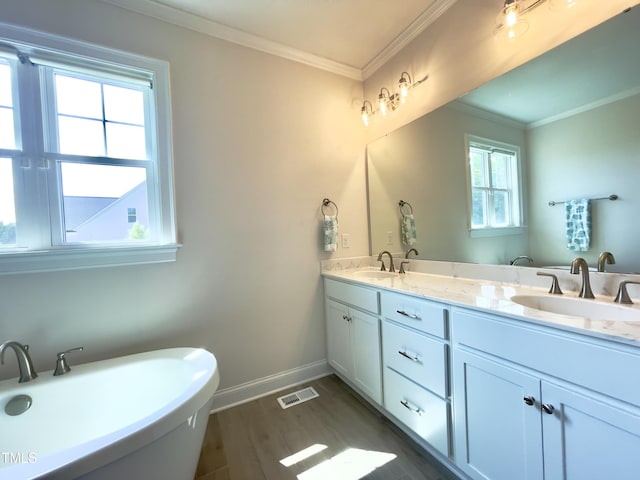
(408, 229)
(578, 225)
(330, 233)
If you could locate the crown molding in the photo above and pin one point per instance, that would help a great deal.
(416, 27)
(208, 27)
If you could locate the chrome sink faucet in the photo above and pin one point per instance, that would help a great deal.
(605, 257)
(580, 265)
(27, 373)
(380, 259)
(521, 257)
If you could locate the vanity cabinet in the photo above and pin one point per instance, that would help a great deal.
(531, 403)
(415, 373)
(353, 335)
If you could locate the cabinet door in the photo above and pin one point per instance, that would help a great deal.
(339, 338)
(365, 334)
(498, 436)
(585, 437)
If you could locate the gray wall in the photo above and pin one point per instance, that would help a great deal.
(595, 153)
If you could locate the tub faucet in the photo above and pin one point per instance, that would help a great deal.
(391, 267)
(580, 265)
(27, 373)
(605, 257)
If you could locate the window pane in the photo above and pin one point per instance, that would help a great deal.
(478, 170)
(501, 209)
(500, 170)
(126, 141)
(7, 132)
(478, 208)
(7, 204)
(7, 129)
(81, 137)
(123, 105)
(80, 98)
(98, 200)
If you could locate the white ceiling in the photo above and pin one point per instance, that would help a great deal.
(350, 37)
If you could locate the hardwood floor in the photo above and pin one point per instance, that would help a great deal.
(352, 441)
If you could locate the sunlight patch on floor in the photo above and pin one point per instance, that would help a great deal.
(351, 464)
(302, 454)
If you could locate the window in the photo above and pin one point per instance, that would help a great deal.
(494, 186)
(85, 166)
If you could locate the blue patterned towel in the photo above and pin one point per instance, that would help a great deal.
(578, 214)
(330, 233)
(408, 230)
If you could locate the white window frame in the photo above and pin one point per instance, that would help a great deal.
(517, 214)
(50, 51)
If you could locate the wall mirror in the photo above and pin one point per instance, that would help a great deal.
(573, 112)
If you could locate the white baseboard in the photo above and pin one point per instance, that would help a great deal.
(230, 397)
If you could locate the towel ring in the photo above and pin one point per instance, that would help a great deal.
(326, 202)
(402, 204)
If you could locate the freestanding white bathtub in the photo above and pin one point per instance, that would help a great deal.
(134, 417)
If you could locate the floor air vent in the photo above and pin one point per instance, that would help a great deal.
(295, 398)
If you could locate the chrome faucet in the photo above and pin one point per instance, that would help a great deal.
(579, 264)
(521, 257)
(605, 257)
(411, 250)
(391, 267)
(27, 373)
(623, 295)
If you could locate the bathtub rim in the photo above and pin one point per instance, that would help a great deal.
(98, 452)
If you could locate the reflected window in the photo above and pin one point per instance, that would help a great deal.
(494, 184)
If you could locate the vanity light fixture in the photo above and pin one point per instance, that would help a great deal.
(388, 101)
(511, 25)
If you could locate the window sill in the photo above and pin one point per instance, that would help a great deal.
(85, 257)
(496, 232)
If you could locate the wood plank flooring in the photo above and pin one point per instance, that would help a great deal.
(249, 441)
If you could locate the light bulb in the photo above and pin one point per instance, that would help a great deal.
(511, 15)
(365, 117)
(382, 102)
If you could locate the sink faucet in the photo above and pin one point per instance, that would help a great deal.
(27, 373)
(391, 267)
(412, 250)
(605, 257)
(579, 264)
(521, 257)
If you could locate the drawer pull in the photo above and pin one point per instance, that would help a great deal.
(406, 355)
(548, 408)
(410, 315)
(414, 410)
(529, 400)
(346, 317)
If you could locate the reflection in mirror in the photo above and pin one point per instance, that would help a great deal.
(573, 113)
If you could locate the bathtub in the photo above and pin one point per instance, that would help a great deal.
(132, 417)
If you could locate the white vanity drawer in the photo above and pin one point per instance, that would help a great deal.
(421, 411)
(422, 359)
(429, 317)
(360, 297)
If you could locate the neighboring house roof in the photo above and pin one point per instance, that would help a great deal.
(78, 209)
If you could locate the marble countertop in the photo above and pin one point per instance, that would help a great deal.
(495, 297)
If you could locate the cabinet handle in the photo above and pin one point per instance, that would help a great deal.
(548, 408)
(406, 405)
(346, 317)
(410, 315)
(529, 400)
(406, 355)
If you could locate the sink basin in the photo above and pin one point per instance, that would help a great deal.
(579, 307)
(374, 274)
